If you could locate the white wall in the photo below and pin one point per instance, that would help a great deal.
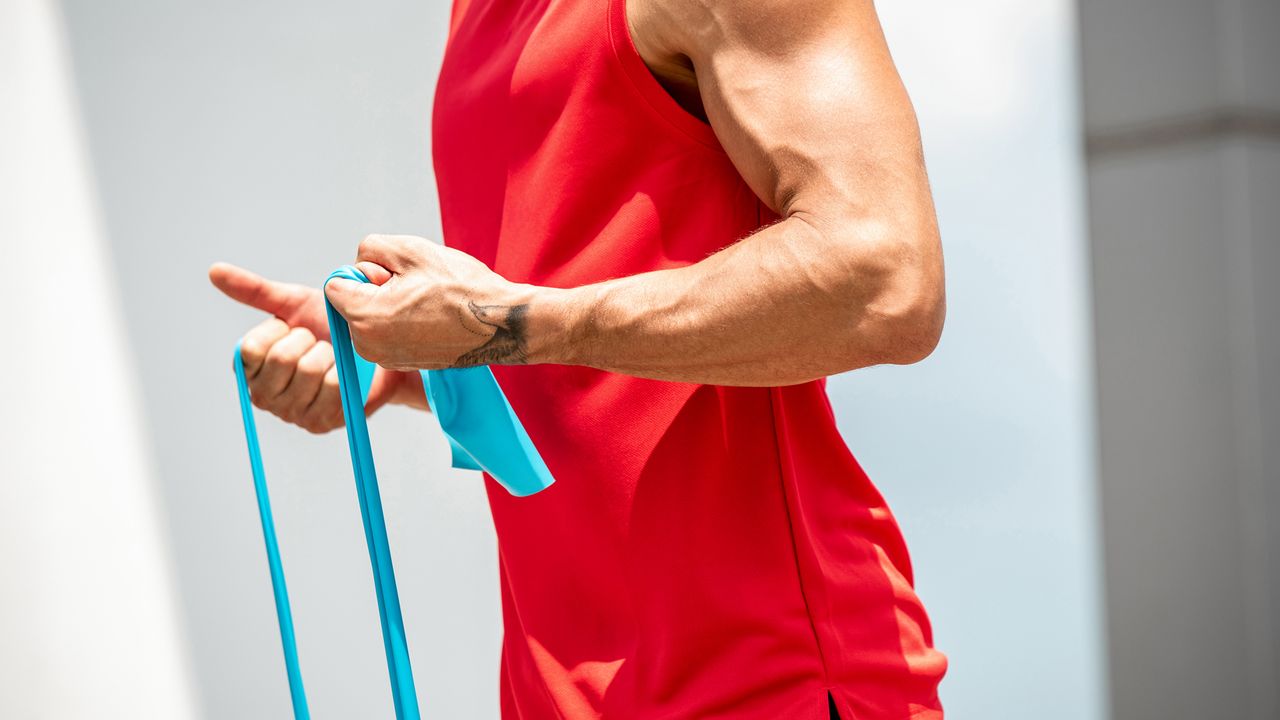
(985, 451)
(89, 626)
(275, 135)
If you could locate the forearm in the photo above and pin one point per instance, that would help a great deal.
(789, 304)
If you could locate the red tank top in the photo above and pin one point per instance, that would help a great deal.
(706, 552)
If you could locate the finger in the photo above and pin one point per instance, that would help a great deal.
(325, 412)
(382, 389)
(256, 291)
(393, 252)
(305, 384)
(411, 393)
(280, 365)
(377, 274)
(347, 296)
(255, 344)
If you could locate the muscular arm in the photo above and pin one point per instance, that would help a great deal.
(804, 97)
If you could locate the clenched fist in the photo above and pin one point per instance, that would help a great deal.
(429, 307)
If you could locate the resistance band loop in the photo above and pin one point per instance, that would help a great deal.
(354, 377)
(484, 433)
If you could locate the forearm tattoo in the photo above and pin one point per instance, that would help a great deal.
(506, 346)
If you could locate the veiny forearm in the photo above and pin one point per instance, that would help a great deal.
(789, 304)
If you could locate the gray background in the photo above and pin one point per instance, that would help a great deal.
(1182, 113)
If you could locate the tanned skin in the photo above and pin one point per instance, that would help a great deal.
(804, 97)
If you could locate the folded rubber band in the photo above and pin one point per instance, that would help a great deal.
(403, 693)
(484, 434)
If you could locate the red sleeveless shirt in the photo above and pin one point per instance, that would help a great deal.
(706, 552)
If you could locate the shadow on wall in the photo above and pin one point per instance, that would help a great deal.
(88, 611)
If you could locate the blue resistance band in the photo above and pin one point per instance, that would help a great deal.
(484, 434)
(283, 614)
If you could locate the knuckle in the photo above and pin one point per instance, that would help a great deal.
(253, 347)
(369, 244)
(259, 340)
(331, 382)
(309, 367)
(284, 355)
(313, 365)
(251, 351)
(276, 358)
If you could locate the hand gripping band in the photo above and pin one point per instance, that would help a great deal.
(484, 434)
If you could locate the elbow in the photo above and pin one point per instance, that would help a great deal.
(892, 286)
(903, 315)
(913, 334)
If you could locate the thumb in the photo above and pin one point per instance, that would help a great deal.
(256, 291)
(348, 295)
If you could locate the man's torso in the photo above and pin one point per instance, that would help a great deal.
(706, 551)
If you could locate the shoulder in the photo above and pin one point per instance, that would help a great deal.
(696, 28)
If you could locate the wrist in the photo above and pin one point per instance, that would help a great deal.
(557, 325)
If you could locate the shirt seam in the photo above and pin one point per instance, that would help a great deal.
(795, 548)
